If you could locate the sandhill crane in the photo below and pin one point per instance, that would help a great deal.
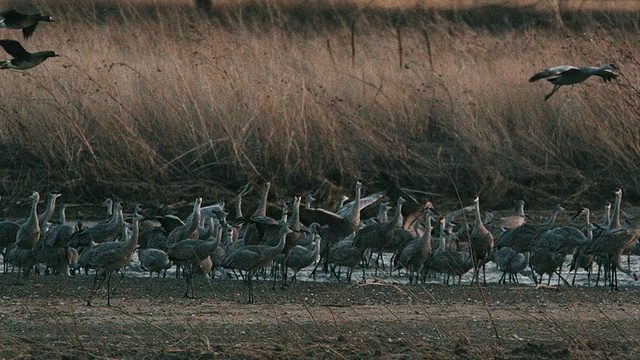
(191, 253)
(543, 261)
(301, 257)
(50, 209)
(346, 253)
(53, 250)
(523, 238)
(22, 59)
(447, 262)
(8, 231)
(379, 235)
(416, 252)
(109, 257)
(101, 232)
(72, 259)
(382, 215)
(553, 247)
(340, 202)
(216, 208)
(308, 200)
(292, 238)
(55, 259)
(261, 209)
(59, 235)
(364, 201)
(481, 244)
(460, 237)
(569, 75)
(27, 237)
(190, 228)
(26, 22)
(248, 231)
(511, 262)
(562, 239)
(169, 221)
(607, 212)
(252, 258)
(610, 245)
(307, 239)
(579, 259)
(507, 222)
(400, 240)
(154, 238)
(47, 214)
(108, 203)
(614, 222)
(154, 260)
(615, 217)
(339, 226)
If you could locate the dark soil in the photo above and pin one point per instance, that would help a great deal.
(47, 317)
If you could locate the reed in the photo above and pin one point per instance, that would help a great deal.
(161, 101)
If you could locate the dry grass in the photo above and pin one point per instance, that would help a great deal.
(152, 101)
(150, 320)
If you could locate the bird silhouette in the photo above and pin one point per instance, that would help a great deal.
(25, 22)
(22, 59)
(569, 75)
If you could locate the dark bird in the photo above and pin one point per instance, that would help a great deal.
(26, 22)
(22, 59)
(569, 75)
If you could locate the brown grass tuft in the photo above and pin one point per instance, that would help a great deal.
(156, 100)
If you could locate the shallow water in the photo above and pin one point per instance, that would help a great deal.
(492, 274)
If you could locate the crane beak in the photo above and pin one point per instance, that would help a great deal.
(576, 215)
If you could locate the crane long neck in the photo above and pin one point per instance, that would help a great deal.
(382, 213)
(135, 231)
(397, 217)
(193, 221)
(295, 215)
(283, 236)
(114, 214)
(600, 71)
(33, 215)
(109, 204)
(63, 216)
(478, 215)
(48, 212)
(354, 215)
(549, 223)
(316, 245)
(521, 209)
(239, 214)
(307, 202)
(262, 206)
(426, 235)
(615, 220)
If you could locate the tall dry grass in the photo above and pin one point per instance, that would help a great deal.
(159, 102)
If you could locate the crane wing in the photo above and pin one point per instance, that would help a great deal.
(14, 48)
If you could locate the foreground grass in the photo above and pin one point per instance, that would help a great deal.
(162, 103)
(46, 318)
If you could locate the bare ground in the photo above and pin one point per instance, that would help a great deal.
(46, 317)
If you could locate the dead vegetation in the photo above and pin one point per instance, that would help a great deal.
(161, 101)
(47, 318)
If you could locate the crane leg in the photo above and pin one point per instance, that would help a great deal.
(96, 285)
(553, 91)
(250, 282)
(109, 288)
